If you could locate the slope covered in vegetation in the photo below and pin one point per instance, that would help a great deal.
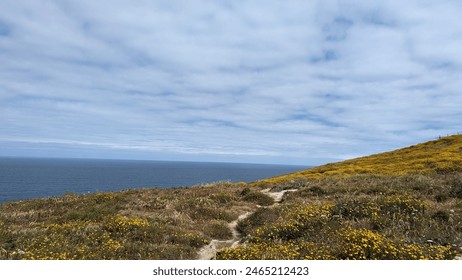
(405, 204)
(131, 224)
(442, 156)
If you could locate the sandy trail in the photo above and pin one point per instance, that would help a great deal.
(208, 251)
(277, 196)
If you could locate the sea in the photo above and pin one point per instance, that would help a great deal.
(28, 178)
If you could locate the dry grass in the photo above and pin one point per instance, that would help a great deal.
(370, 217)
(405, 204)
(132, 224)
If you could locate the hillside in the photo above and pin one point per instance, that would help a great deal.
(404, 204)
(442, 156)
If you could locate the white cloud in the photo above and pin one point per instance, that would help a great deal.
(293, 81)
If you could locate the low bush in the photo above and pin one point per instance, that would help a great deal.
(261, 251)
(441, 197)
(456, 188)
(441, 216)
(222, 198)
(259, 218)
(258, 198)
(346, 243)
(364, 244)
(218, 230)
(189, 239)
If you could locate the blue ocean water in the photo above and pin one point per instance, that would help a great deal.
(26, 178)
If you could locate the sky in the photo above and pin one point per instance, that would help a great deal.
(286, 82)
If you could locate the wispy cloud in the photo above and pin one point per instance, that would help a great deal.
(265, 81)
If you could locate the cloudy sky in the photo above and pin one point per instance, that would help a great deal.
(291, 82)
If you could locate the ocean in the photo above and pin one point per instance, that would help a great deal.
(27, 178)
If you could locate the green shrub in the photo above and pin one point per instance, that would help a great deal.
(209, 213)
(456, 188)
(317, 190)
(259, 198)
(245, 191)
(355, 208)
(259, 218)
(298, 221)
(218, 230)
(441, 197)
(189, 239)
(441, 216)
(222, 198)
(401, 204)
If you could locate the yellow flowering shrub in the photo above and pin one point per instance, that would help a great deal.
(349, 244)
(300, 220)
(364, 244)
(73, 240)
(320, 232)
(258, 251)
(122, 224)
(401, 204)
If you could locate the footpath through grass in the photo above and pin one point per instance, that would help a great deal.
(404, 204)
(132, 224)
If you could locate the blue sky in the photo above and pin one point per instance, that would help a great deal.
(296, 82)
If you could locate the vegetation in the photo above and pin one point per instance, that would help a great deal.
(357, 217)
(131, 224)
(405, 204)
(441, 156)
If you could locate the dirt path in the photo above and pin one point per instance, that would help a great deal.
(208, 251)
(277, 196)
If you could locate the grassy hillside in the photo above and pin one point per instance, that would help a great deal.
(442, 156)
(131, 224)
(405, 204)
